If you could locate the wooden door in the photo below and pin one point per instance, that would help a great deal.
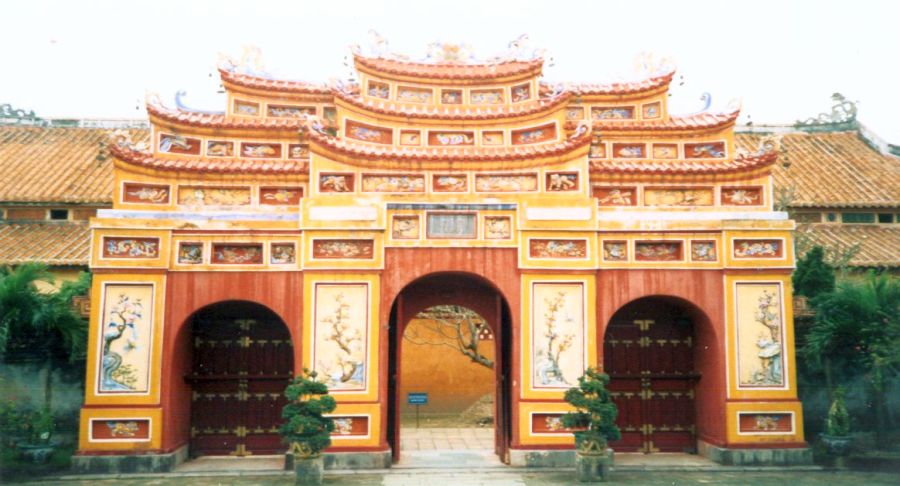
(241, 368)
(648, 353)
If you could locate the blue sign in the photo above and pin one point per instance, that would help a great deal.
(417, 398)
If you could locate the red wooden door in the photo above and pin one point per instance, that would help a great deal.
(648, 353)
(241, 367)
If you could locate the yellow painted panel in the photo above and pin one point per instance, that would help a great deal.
(764, 431)
(120, 440)
(371, 411)
(531, 438)
(103, 240)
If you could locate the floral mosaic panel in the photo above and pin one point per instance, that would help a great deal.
(665, 151)
(557, 334)
(127, 247)
(703, 251)
(190, 253)
(368, 133)
(531, 135)
(261, 150)
(355, 426)
(219, 148)
(521, 92)
(451, 138)
(629, 150)
(760, 335)
(486, 96)
(704, 150)
(506, 182)
(126, 339)
(612, 112)
(756, 423)
(491, 137)
(758, 248)
(179, 144)
(451, 96)
(283, 254)
(213, 196)
(343, 249)
(414, 95)
(341, 335)
(332, 182)
(410, 137)
(562, 181)
(575, 113)
(678, 196)
(497, 228)
(405, 227)
(379, 90)
(280, 196)
(551, 248)
(393, 183)
(615, 251)
(657, 251)
(650, 111)
(122, 429)
(298, 151)
(237, 253)
(290, 111)
(615, 196)
(742, 196)
(450, 183)
(548, 423)
(145, 193)
(246, 108)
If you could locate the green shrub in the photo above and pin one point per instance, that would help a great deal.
(306, 430)
(594, 420)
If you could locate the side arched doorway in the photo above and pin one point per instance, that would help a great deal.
(427, 298)
(242, 359)
(649, 354)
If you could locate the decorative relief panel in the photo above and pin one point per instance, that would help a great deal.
(298, 151)
(705, 150)
(126, 339)
(379, 90)
(355, 426)
(703, 251)
(133, 192)
(179, 144)
(657, 251)
(246, 108)
(410, 137)
(335, 182)
(486, 96)
(343, 249)
(575, 113)
(539, 134)
(597, 150)
(665, 151)
(548, 423)
(552, 248)
(125, 430)
(557, 334)
(451, 96)
(678, 196)
(629, 150)
(451, 225)
(612, 112)
(283, 254)
(290, 111)
(497, 228)
(615, 196)
(341, 335)
(190, 253)
(615, 251)
(490, 138)
(393, 183)
(742, 196)
(261, 150)
(561, 181)
(450, 183)
(219, 148)
(128, 247)
(368, 133)
(650, 111)
(237, 253)
(506, 182)
(415, 95)
(451, 138)
(760, 335)
(521, 92)
(280, 196)
(766, 423)
(754, 248)
(405, 227)
(213, 196)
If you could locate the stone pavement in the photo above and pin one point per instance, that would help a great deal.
(412, 439)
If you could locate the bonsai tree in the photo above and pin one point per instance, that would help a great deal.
(305, 429)
(594, 421)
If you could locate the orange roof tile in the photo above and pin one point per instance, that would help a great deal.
(695, 121)
(625, 87)
(451, 113)
(874, 245)
(56, 164)
(276, 85)
(219, 120)
(449, 70)
(690, 166)
(836, 169)
(217, 165)
(53, 243)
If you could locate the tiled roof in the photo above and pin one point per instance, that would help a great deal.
(449, 70)
(878, 245)
(675, 122)
(835, 169)
(277, 85)
(56, 165)
(689, 166)
(53, 243)
(450, 113)
(217, 165)
(220, 120)
(625, 87)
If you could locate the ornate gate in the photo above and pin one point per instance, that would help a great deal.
(648, 353)
(242, 362)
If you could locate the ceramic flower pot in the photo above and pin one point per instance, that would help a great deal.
(309, 470)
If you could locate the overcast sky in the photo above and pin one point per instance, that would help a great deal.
(783, 59)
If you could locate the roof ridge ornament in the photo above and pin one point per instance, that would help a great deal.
(122, 138)
(250, 62)
(18, 117)
(182, 107)
(440, 52)
(843, 114)
(653, 65)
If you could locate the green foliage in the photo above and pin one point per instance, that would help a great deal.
(813, 276)
(838, 422)
(305, 429)
(595, 418)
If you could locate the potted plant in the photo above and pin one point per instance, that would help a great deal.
(593, 424)
(40, 426)
(837, 426)
(305, 429)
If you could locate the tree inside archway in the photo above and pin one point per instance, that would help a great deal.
(453, 326)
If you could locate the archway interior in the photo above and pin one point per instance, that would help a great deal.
(448, 336)
(242, 359)
(649, 353)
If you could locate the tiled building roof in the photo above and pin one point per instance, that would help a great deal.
(449, 70)
(50, 242)
(836, 169)
(873, 245)
(62, 165)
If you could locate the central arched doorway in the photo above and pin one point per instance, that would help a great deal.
(649, 354)
(456, 299)
(242, 359)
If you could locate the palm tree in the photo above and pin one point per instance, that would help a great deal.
(40, 326)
